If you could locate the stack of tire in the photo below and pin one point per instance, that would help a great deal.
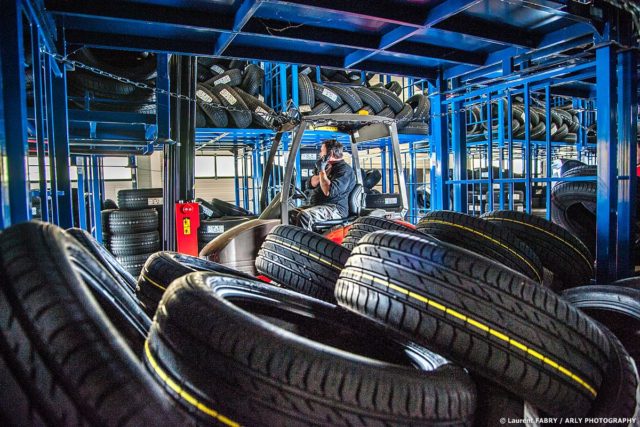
(434, 334)
(229, 95)
(111, 94)
(131, 233)
(216, 217)
(412, 117)
(564, 122)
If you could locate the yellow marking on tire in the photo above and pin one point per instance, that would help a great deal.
(479, 325)
(309, 254)
(544, 231)
(153, 282)
(183, 393)
(437, 221)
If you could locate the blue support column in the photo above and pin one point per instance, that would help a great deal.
(39, 121)
(606, 199)
(439, 148)
(459, 148)
(527, 148)
(489, 154)
(53, 176)
(501, 120)
(627, 150)
(282, 72)
(15, 110)
(96, 197)
(61, 142)
(547, 94)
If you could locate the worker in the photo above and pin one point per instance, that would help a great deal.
(330, 187)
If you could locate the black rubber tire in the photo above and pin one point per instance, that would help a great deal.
(252, 80)
(537, 133)
(367, 224)
(327, 95)
(369, 98)
(420, 105)
(109, 204)
(571, 138)
(212, 228)
(134, 263)
(394, 87)
(415, 128)
(560, 252)
(130, 222)
(204, 74)
(134, 244)
(80, 81)
(306, 95)
(140, 198)
(568, 164)
(370, 178)
(263, 115)
(278, 358)
(301, 260)
(67, 363)
(386, 112)
(320, 108)
(472, 310)
(561, 133)
(389, 98)
(136, 66)
(229, 209)
(404, 116)
(232, 77)
(104, 257)
(162, 268)
(207, 210)
(201, 117)
(496, 405)
(482, 237)
(348, 95)
(218, 68)
(211, 106)
(240, 116)
(616, 307)
(618, 395)
(343, 109)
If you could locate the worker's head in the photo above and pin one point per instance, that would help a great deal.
(331, 148)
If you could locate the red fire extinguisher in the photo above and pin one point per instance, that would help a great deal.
(187, 224)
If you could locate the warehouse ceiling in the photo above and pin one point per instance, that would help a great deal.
(416, 38)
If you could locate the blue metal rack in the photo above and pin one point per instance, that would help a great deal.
(463, 51)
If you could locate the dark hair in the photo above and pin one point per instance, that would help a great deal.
(333, 147)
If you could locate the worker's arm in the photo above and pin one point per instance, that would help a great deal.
(314, 181)
(325, 182)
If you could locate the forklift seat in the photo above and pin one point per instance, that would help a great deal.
(356, 202)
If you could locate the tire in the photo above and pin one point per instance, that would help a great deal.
(252, 80)
(482, 237)
(326, 95)
(140, 199)
(369, 98)
(207, 210)
(66, 361)
(495, 405)
(559, 251)
(420, 105)
(371, 178)
(130, 222)
(618, 396)
(109, 204)
(394, 87)
(389, 98)
(133, 65)
(616, 307)
(134, 244)
(320, 108)
(349, 96)
(263, 115)
(211, 106)
(162, 268)
(404, 117)
(366, 224)
(415, 128)
(212, 228)
(201, 117)
(301, 260)
(306, 95)
(232, 77)
(124, 278)
(343, 109)
(573, 205)
(561, 133)
(134, 263)
(229, 209)
(240, 115)
(386, 112)
(102, 87)
(472, 310)
(276, 357)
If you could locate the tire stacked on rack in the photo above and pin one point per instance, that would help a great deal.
(230, 95)
(111, 94)
(132, 232)
(216, 217)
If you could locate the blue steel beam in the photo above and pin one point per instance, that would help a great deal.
(436, 15)
(243, 15)
(96, 199)
(53, 176)
(490, 32)
(627, 150)
(606, 190)
(439, 149)
(46, 27)
(15, 111)
(459, 148)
